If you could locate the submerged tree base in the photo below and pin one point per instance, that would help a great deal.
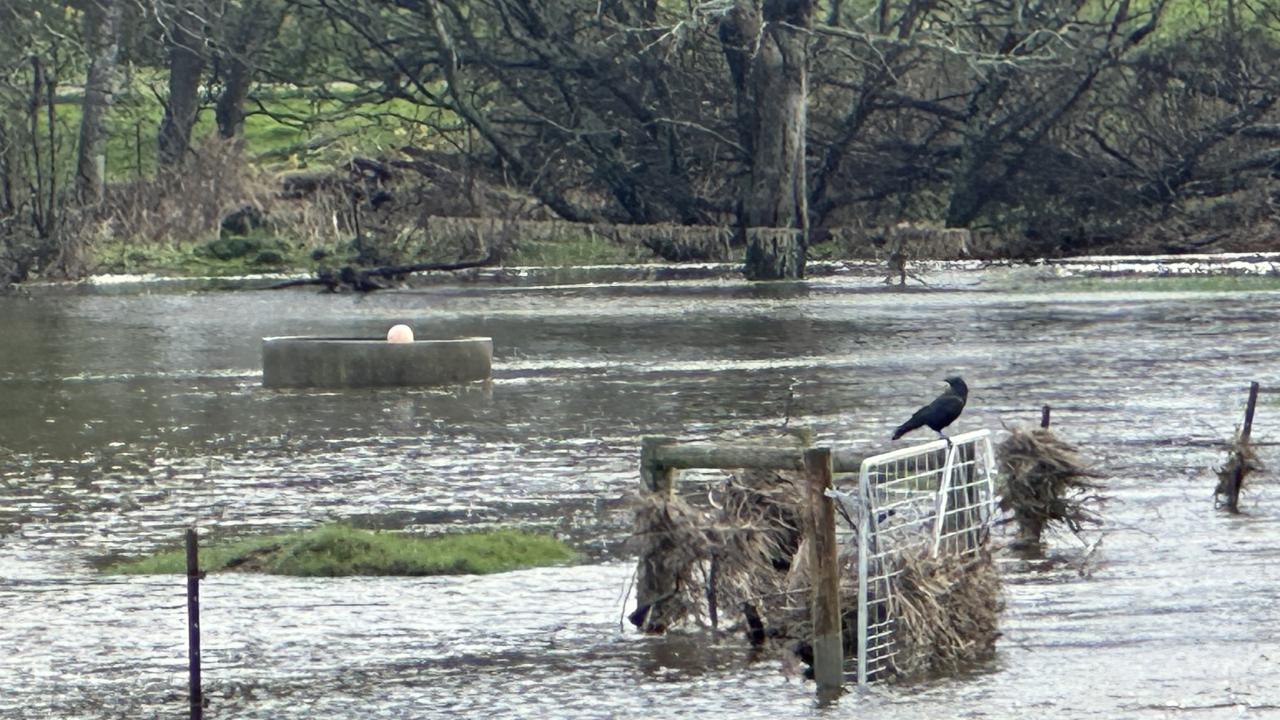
(339, 550)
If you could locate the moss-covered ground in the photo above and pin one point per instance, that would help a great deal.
(337, 550)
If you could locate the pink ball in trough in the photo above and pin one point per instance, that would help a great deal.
(400, 334)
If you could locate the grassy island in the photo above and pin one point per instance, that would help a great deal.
(337, 550)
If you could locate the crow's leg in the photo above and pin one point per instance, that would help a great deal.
(942, 436)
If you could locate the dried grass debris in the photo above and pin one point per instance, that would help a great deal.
(947, 609)
(1242, 461)
(1045, 481)
(672, 545)
(744, 553)
(738, 550)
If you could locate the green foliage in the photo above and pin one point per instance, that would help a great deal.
(229, 248)
(289, 131)
(339, 550)
(195, 259)
(247, 255)
(269, 257)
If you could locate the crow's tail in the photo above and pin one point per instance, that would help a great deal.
(905, 428)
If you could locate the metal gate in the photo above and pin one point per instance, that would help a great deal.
(935, 495)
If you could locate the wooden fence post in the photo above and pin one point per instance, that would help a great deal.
(653, 476)
(652, 589)
(1233, 487)
(828, 649)
(1044, 417)
(193, 623)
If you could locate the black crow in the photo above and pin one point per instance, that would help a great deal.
(941, 412)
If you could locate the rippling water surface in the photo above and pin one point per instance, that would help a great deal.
(124, 417)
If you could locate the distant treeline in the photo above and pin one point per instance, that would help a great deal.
(1058, 125)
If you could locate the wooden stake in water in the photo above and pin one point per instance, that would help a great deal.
(1233, 487)
(828, 650)
(1248, 411)
(652, 588)
(1044, 417)
(193, 623)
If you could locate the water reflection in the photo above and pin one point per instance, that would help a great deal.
(128, 416)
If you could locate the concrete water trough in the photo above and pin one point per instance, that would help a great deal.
(296, 362)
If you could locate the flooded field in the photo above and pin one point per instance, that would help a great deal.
(126, 416)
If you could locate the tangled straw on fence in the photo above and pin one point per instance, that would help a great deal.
(1242, 460)
(1046, 481)
(671, 544)
(744, 555)
(947, 609)
(740, 549)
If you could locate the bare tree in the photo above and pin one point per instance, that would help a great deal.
(101, 40)
(185, 35)
(766, 48)
(246, 29)
(34, 174)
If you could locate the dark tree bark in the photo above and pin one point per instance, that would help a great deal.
(7, 173)
(970, 188)
(1007, 119)
(186, 64)
(101, 29)
(766, 48)
(229, 110)
(255, 23)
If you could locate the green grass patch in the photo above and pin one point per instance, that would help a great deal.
(264, 255)
(278, 134)
(339, 550)
(1189, 283)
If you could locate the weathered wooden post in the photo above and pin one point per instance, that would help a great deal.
(1044, 417)
(828, 650)
(193, 623)
(653, 588)
(1237, 478)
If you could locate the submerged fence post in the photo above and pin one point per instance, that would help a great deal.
(652, 588)
(1237, 479)
(193, 623)
(653, 476)
(828, 650)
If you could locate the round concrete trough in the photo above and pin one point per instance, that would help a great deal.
(293, 362)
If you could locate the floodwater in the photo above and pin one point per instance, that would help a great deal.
(126, 416)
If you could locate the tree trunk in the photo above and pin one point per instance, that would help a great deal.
(101, 28)
(7, 175)
(229, 110)
(256, 23)
(186, 63)
(768, 60)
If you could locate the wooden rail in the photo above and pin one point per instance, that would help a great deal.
(658, 452)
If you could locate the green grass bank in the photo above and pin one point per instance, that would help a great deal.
(339, 550)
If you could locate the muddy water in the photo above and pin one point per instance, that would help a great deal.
(124, 417)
